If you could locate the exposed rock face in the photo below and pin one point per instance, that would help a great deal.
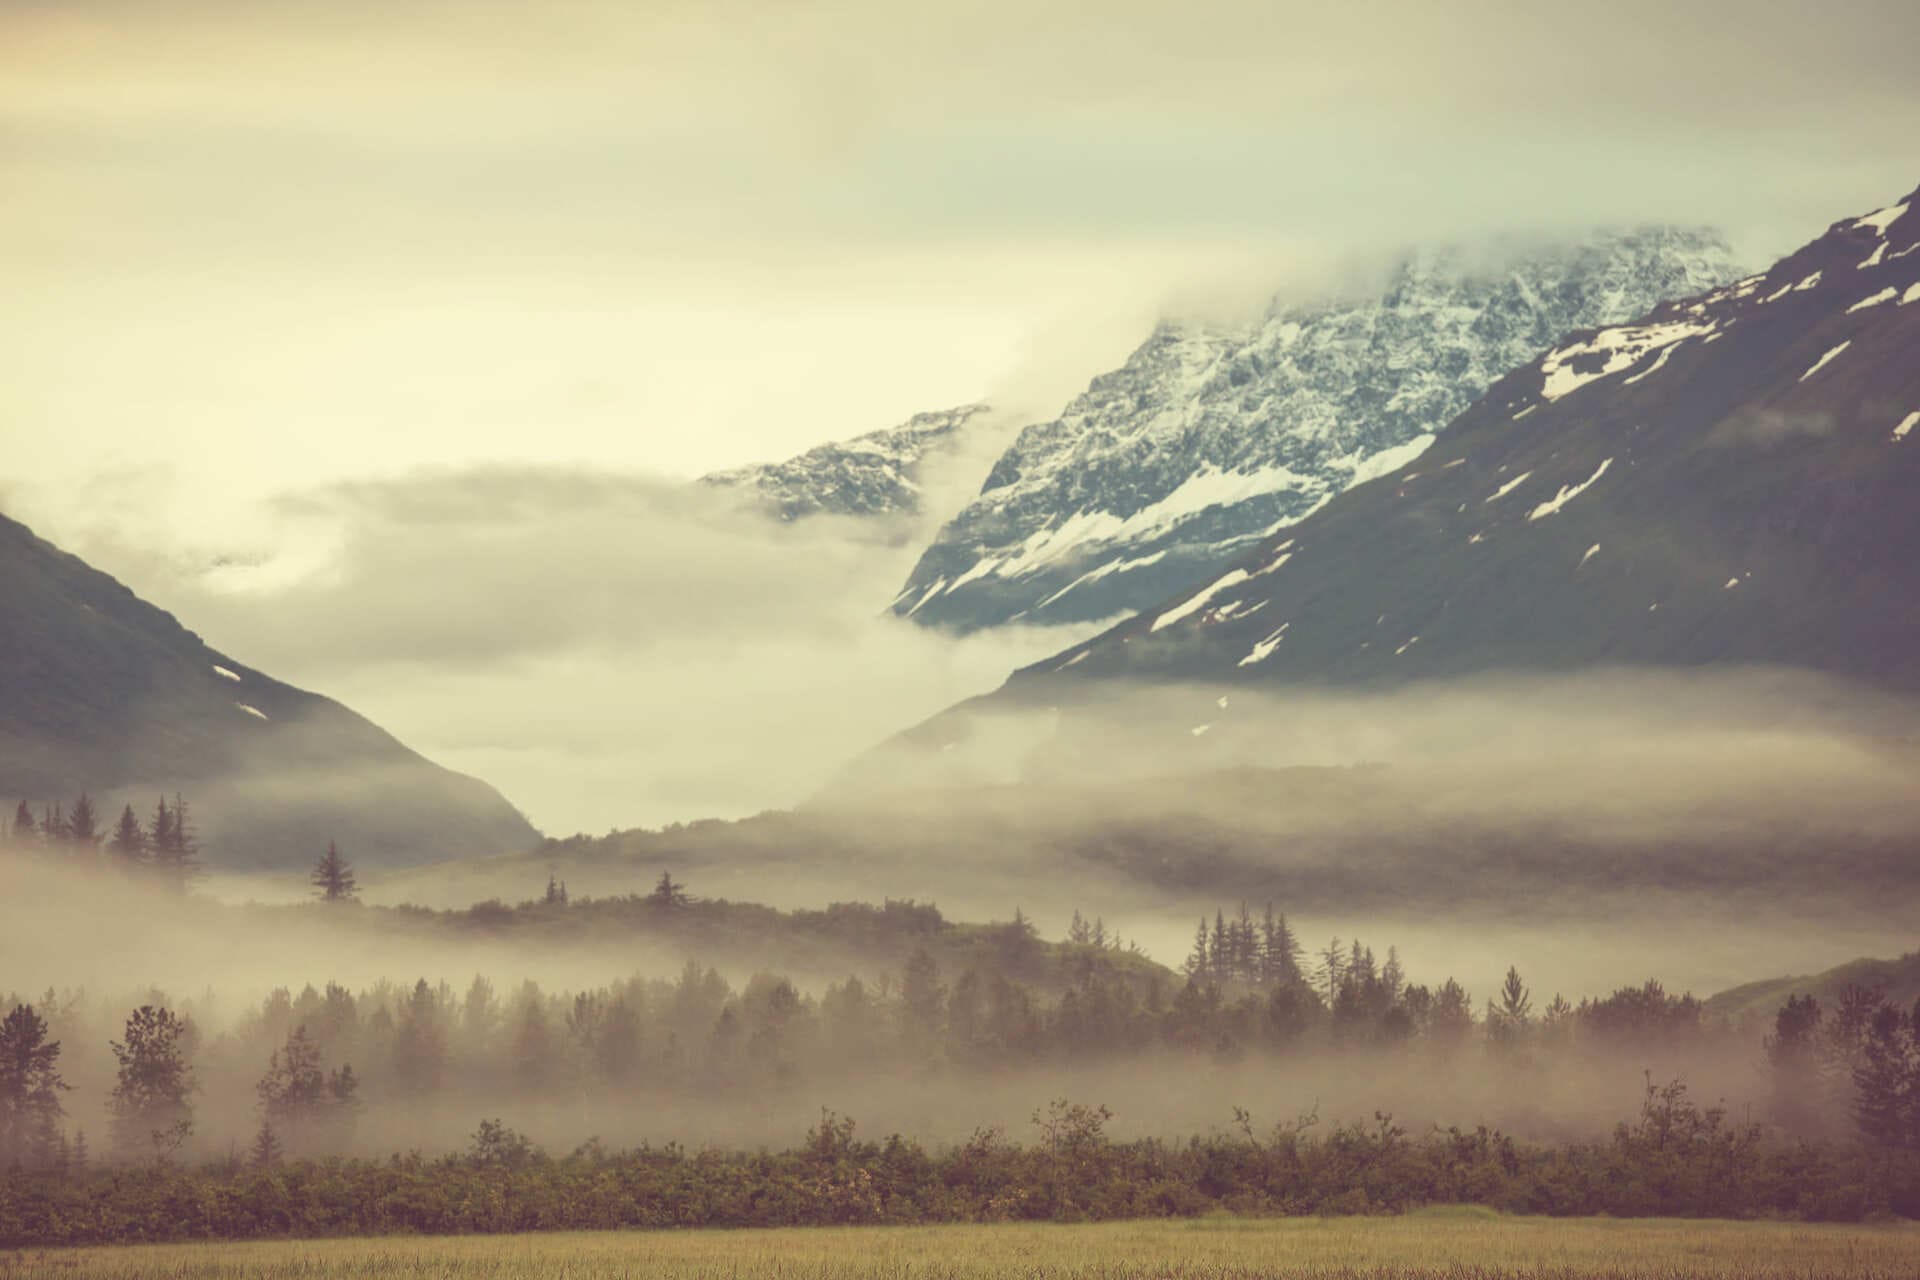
(1728, 479)
(877, 474)
(1205, 442)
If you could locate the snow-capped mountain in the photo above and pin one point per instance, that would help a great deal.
(101, 691)
(1206, 441)
(877, 474)
(1727, 480)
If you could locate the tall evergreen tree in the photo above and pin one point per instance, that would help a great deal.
(30, 1088)
(1509, 1020)
(150, 1105)
(159, 830)
(668, 894)
(24, 826)
(333, 879)
(1201, 958)
(175, 848)
(1331, 970)
(128, 843)
(419, 1045)
(83, 824)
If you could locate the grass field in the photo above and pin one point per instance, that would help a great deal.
(1458, 1244)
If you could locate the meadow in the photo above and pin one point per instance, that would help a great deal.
(1461, 1244)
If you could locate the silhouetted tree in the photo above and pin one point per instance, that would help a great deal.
(419, 1044)
(266, 1151)
(83, 824)
(1509, 1021)
(128, 843)
(24, 827)
(667, 894)
(333, 879)
(30, 1088)
(1200, 959)
(150, 1095)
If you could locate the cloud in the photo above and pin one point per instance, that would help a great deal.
(610, 649)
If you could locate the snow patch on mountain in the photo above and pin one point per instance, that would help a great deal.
(877, 474)
(1208, 440)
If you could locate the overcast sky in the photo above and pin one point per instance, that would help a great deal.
(262, 256)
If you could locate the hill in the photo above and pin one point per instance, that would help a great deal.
(103, 691)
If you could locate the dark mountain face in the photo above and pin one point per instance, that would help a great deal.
(1730, 479)
(101, 690)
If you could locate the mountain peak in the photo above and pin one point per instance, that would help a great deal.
(1207, 440)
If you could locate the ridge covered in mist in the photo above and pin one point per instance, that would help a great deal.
(101, 690)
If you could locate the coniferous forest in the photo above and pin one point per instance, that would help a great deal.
(419, 1105)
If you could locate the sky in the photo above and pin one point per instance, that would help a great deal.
(373, 339)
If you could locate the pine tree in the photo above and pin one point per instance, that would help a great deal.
(176, 856)
(1332, 970)
(30, 1088)
(266, 1150)
(667, 894)
(1509, 1020)
(1392, 976)
(24, 826)
(129, 843)
(556, 892)
(1220, 958)
(83, 824)
(333, 879)
(419, 1047)
(159, 830)
(1078, 932)
(1201, 958)
(53, 825)
(1280, 950)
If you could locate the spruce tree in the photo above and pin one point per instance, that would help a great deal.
(24, 826)
(419, 1045)
(333, 879)
(1200, 959)
(128, 843)
(266, 1150)
(666, 893)
(176, 851)
(83, 824)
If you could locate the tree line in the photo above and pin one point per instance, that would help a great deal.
(316, 1056)
(165, 848)
(1674, 1159)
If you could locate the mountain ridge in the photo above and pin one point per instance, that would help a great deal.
(1206, 440)
(106, 691)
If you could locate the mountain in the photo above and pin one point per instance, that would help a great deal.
(877, 474)
(1728, 479)
(1206, 441)
(1756, 1002)
(103, 691)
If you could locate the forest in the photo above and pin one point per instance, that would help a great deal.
(328, 1110)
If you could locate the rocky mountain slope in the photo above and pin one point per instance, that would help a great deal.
(103, 691)
(1727, 480)
(877, 474)
(1205, 441)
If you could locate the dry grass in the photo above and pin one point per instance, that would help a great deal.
(1459, 1245)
